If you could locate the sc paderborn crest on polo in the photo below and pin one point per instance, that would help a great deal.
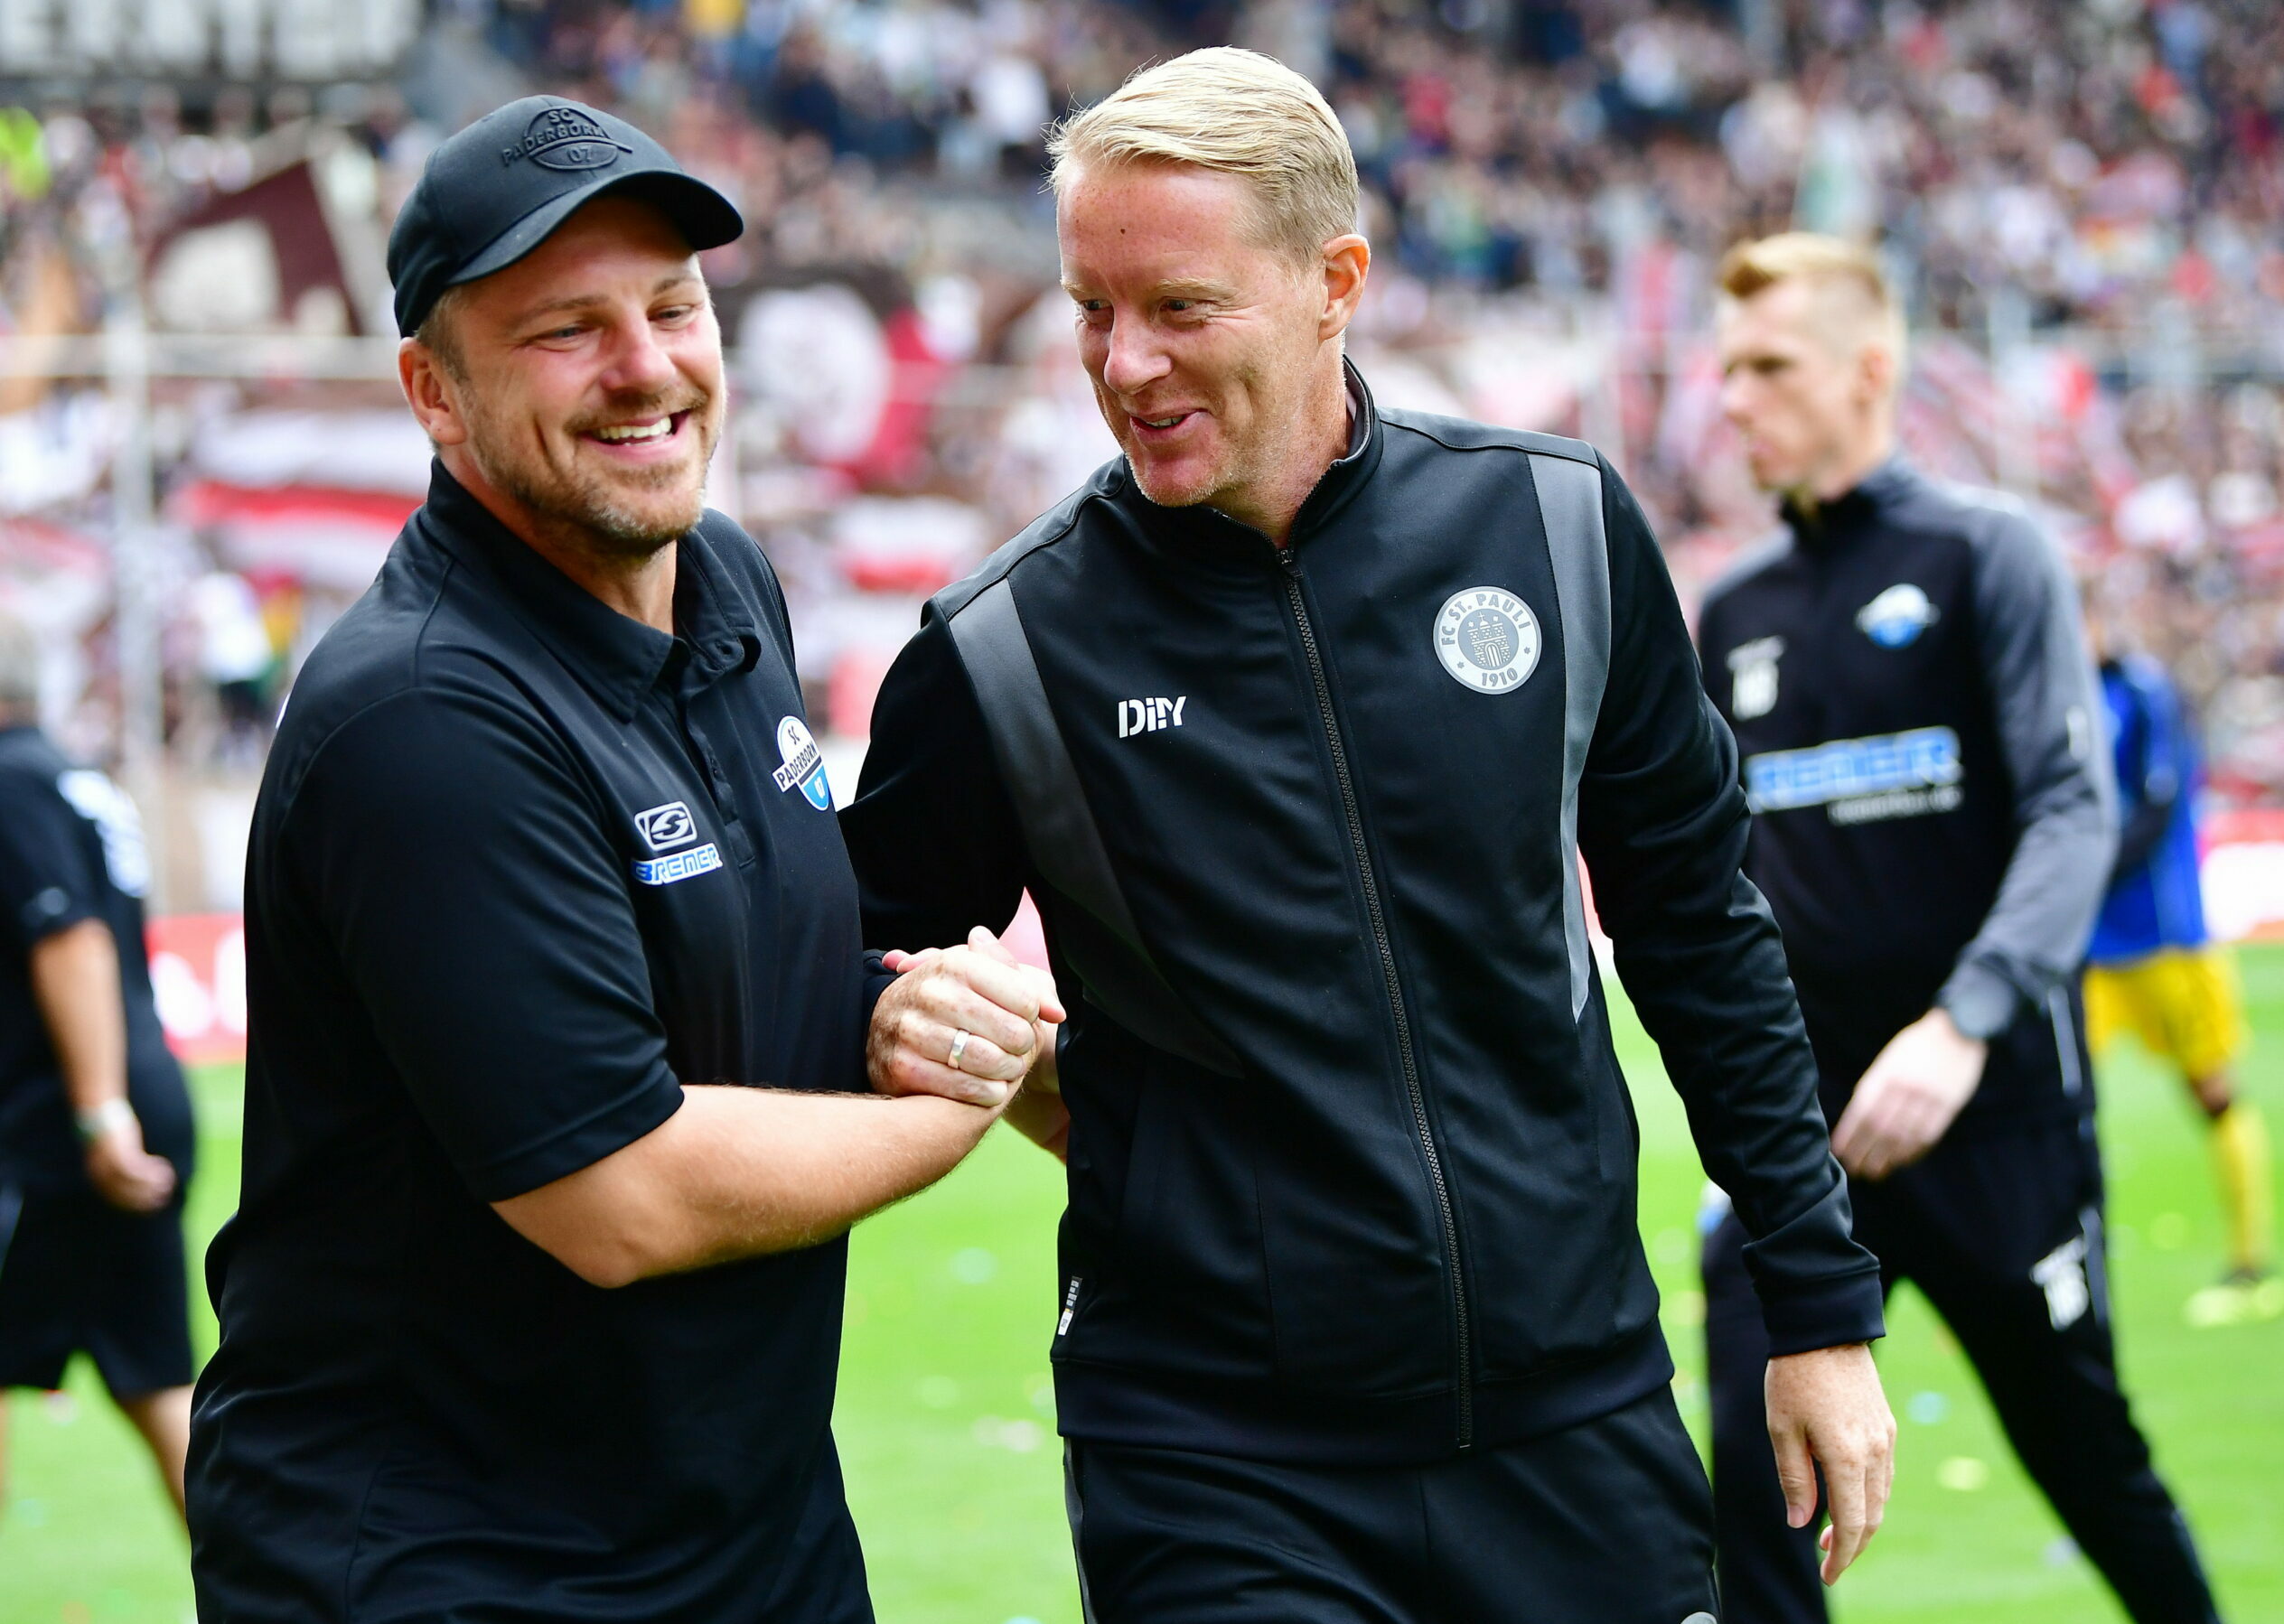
(1487, 638)
(564, 138)
(804, 764)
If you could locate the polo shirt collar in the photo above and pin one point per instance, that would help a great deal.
(714, 620)
(615, 656)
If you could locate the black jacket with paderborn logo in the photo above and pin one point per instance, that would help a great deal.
(1932, 818)
(1352, 1167)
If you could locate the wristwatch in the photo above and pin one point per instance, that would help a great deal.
(105, 1119)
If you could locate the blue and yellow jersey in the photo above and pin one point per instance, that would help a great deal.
(2154, 902)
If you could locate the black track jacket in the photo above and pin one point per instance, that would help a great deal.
(1352, 1167)
(1934, 816)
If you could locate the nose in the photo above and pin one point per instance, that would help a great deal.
(1735, 406)
(639, 363)
(1132, 360)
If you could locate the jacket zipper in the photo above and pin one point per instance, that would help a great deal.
(1351, 810)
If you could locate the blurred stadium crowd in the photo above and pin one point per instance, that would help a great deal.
(2084, 205)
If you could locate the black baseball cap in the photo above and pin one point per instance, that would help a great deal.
(494, 192)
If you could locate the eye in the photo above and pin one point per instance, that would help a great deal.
(675, 314)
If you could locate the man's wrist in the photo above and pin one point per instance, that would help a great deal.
(1981, 1002)
(1820, 1289)
(100, 1122)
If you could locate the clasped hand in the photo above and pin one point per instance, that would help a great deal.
(1004, 1007)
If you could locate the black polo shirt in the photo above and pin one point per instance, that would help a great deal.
(71, 850)
(521, 867)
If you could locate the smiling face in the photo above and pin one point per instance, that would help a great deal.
(1807, 385)
(1215, 357)
(582, 383)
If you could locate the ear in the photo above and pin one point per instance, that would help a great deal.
(1347, 261)
(1876, 371)
(430, 392)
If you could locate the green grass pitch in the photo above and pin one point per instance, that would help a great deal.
(946, 1420)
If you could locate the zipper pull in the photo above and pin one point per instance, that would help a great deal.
(1069, 1305)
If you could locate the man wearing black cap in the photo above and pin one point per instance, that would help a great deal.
(525, 1314)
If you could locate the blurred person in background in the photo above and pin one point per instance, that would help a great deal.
(1934, 822)
(234, 656)
(2152, 970)
(96, 1136)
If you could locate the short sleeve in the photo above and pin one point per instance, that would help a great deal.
(446, 846)
(50, 876)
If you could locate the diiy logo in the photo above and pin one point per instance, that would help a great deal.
(1148, 715)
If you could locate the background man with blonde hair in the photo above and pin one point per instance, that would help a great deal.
(1934, 825)
(1295, 719)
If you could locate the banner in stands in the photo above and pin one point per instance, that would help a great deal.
(2244, 874)
(198, 976)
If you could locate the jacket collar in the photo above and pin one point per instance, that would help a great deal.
(1208, 532)
(615, 656)
(1855, 510)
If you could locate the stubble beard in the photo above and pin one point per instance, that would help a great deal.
(1235, 468)
(1205, 491)
(587, 509)
(1245, 468)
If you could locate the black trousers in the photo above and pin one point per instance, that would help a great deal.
(1607, 1522)
(77, 1273)
(2003, 1234)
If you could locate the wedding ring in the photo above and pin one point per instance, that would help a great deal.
(958, 1048)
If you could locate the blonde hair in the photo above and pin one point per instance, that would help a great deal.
(1828, 262)
(1238, 112)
